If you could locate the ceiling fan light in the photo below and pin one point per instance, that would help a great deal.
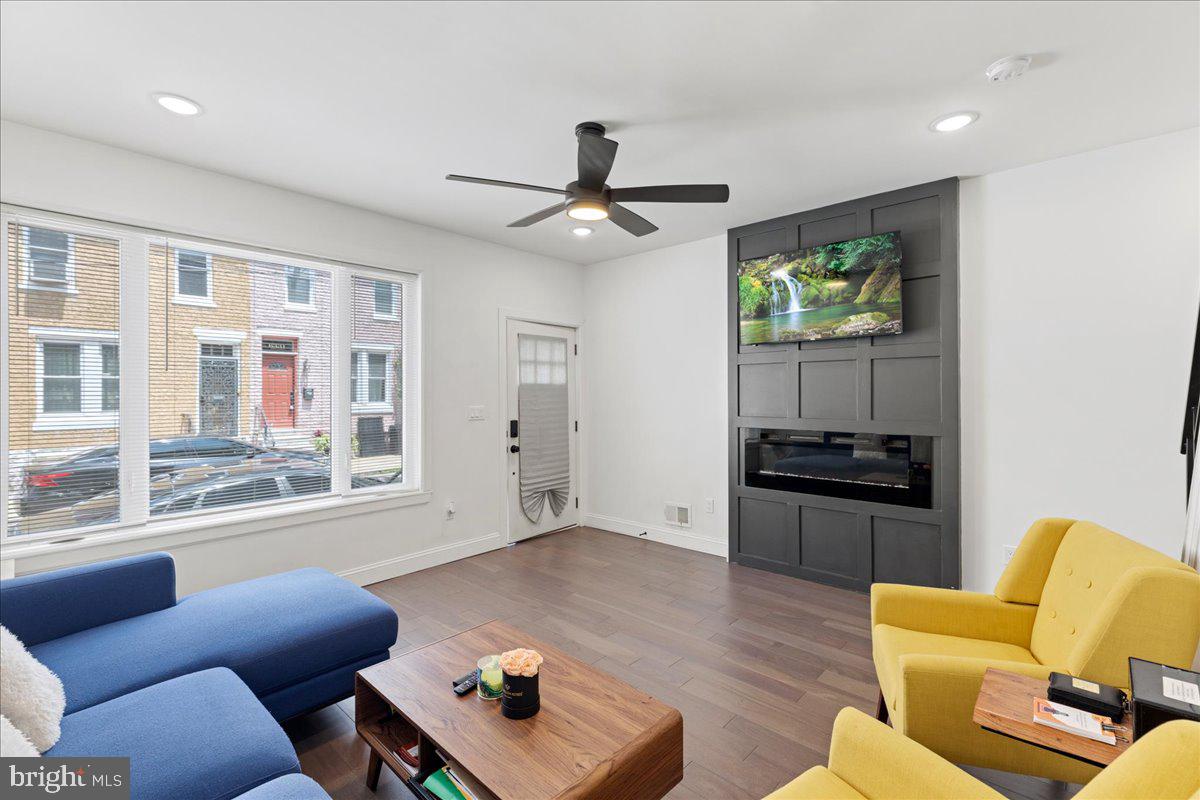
(587, 210)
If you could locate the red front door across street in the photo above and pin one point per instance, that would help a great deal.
(279, 389)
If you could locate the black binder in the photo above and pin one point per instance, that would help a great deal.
(1095, 698)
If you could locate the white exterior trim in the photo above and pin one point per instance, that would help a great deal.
(219, 335)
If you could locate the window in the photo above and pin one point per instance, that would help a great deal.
(385, 300)
(62, 349)
(47, 259)
(62, 385)
(192, 273)
(299, 286)
(377, 376)
(234, 405)
(248, 384)
(110, 378)
(79, 378)
(369, 378)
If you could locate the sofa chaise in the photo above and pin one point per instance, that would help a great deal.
(192, 689)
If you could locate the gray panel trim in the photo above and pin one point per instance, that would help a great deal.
(934, 264)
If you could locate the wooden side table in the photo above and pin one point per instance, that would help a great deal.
(1005, 706)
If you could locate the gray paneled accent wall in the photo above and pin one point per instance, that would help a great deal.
(904, 384)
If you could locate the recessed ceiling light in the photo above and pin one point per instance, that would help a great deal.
(582, 230)
(953, 122)
(178, 105)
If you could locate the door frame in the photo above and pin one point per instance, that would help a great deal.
(236, 358)
(503, 317)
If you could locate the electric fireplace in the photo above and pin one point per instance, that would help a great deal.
(881, 468)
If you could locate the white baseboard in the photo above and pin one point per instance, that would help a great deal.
(424, 559)
(671, 536)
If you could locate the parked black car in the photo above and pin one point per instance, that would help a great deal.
(290, 479)
(53, 485)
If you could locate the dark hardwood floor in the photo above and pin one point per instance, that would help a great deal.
(759, 664)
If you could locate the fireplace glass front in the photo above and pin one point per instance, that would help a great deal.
(881, 468)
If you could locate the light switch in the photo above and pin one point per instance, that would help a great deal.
(474, 413)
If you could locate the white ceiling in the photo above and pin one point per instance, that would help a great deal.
(794, 105)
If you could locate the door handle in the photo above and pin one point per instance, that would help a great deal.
(512, 448)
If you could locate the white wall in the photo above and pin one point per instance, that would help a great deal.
(467, 282)
(1080, 279)
(656, 397)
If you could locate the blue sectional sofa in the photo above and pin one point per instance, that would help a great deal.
(192, 689)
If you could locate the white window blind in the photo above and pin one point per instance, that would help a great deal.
(240, 390)
(377, 381)
(233, 397)
(63, 376)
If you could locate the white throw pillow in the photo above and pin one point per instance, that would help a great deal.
(31, 696)
(13, 743)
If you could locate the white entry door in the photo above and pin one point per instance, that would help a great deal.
(541, 427)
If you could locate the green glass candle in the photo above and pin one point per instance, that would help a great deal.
(491, 678)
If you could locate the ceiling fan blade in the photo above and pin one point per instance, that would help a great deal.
(630, 221)
(537, 216)
(596, 155)
(505, 184)
(684, 193)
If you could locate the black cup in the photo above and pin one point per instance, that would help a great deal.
(520, 698)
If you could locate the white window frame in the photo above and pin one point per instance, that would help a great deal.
(192, 299)
(30, 282)
(91, 383)
(288, 303)
(375, 313)
(133, 413)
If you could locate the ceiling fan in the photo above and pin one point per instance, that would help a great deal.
(590, 199)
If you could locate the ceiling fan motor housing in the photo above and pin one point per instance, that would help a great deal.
(586, 204)
(593, 128)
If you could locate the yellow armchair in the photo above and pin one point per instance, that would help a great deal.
(1076, 598)
(870, 761)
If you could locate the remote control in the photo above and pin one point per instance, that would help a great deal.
(465, 678)
(466, 686)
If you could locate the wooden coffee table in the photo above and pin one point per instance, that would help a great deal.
(1005, 706)
(595, 736)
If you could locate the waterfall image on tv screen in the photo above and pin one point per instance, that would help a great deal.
(832, 291)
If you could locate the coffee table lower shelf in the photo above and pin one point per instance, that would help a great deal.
(388, 733)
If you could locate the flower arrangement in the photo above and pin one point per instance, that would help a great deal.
(521, 662)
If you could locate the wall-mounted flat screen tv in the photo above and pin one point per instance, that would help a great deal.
(831, 291)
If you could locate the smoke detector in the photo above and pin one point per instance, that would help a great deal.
(1006, 69)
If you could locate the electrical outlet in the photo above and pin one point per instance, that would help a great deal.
(710, 505)
(1009, 551)
(451, 510)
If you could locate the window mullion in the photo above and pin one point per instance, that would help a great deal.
(134, 386)
(340, 428)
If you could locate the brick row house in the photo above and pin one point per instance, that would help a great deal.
(237, 348)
